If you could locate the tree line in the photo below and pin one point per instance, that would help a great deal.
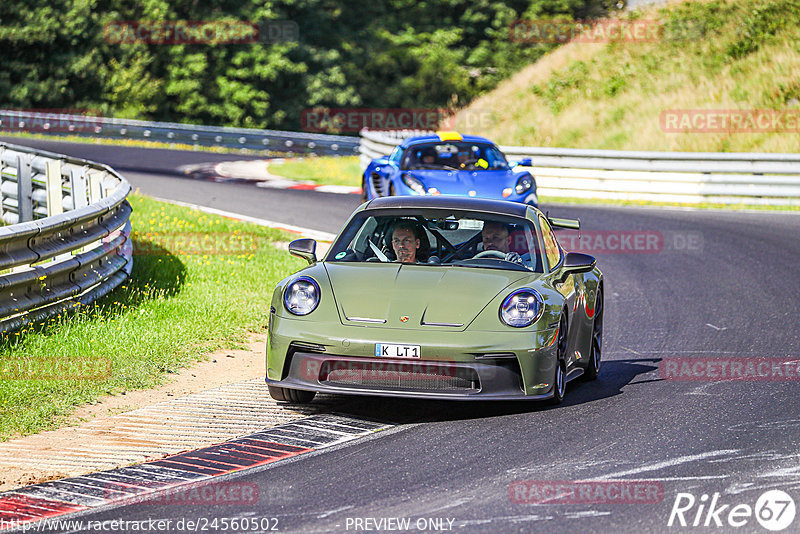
(261, 63)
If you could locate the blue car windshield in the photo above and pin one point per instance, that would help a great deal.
(437, 237)
(454, 155)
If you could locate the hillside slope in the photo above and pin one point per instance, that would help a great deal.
(717, 55)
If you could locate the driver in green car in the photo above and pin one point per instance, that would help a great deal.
(495, 236)
(405, 241)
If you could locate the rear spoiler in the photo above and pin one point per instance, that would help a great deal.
(571, 224)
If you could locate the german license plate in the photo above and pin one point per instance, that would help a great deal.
(389, 350)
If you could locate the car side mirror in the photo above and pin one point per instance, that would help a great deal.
(526, 162)
(576, 262)
(304, 248)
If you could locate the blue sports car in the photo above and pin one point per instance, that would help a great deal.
(448, 163)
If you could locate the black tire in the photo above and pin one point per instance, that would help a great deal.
(560, 372)
(296, 396)
(593, 368)
(364, 189)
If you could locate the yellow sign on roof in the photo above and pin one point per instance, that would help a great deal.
(449, 136)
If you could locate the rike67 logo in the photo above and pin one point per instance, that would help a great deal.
(774, 510)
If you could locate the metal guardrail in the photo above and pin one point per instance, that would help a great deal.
(13, 121)
(692, 177)
(67, 239)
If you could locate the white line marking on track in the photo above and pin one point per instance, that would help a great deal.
(331, 512)
(667, 463)
(306, 232)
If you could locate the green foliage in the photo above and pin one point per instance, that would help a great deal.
(556, 90)
(390, 53)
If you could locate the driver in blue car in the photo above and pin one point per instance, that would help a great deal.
(495, 236)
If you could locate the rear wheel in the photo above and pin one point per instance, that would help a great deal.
(560, 372)
(296, 396)
(593, 369)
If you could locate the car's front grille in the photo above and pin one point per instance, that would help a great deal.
(400, 376)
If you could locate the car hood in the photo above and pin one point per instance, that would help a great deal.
(429, 296)
(484, 183)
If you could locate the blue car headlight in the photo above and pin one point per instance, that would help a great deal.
(522, 308)
(524, 183)
(301, 296)
(414, 184)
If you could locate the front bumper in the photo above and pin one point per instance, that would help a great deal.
(460, 365)
(405, 378)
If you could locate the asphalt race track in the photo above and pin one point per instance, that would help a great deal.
(719, 285)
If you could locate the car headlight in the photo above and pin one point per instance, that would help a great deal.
(523, 184)
(301, 296)
(522, 308)
(414, 184)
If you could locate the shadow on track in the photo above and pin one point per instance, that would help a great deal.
(614, 376)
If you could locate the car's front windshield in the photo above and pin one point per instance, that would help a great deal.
(454, 155)
(439, 238)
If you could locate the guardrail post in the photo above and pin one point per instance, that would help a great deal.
(95, 191)
(24, 188)
(80, 193)
(55, 199)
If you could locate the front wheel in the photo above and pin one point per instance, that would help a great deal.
(296, 396)
(593, 368)
(560, 372)
(364, 189)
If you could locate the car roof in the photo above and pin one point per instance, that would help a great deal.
(500, 207)
(438, 137)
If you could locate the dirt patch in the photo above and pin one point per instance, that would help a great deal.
(221, 368)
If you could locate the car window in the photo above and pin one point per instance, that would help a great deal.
(454, 155)
(445, 238)
(551, 248)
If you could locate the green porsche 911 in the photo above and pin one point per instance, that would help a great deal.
(437, 297)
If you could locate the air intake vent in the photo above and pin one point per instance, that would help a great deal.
(377, 184)
(399, 376)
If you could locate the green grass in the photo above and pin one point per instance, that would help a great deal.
(712, 54)
(331, 170)
(177, 306)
